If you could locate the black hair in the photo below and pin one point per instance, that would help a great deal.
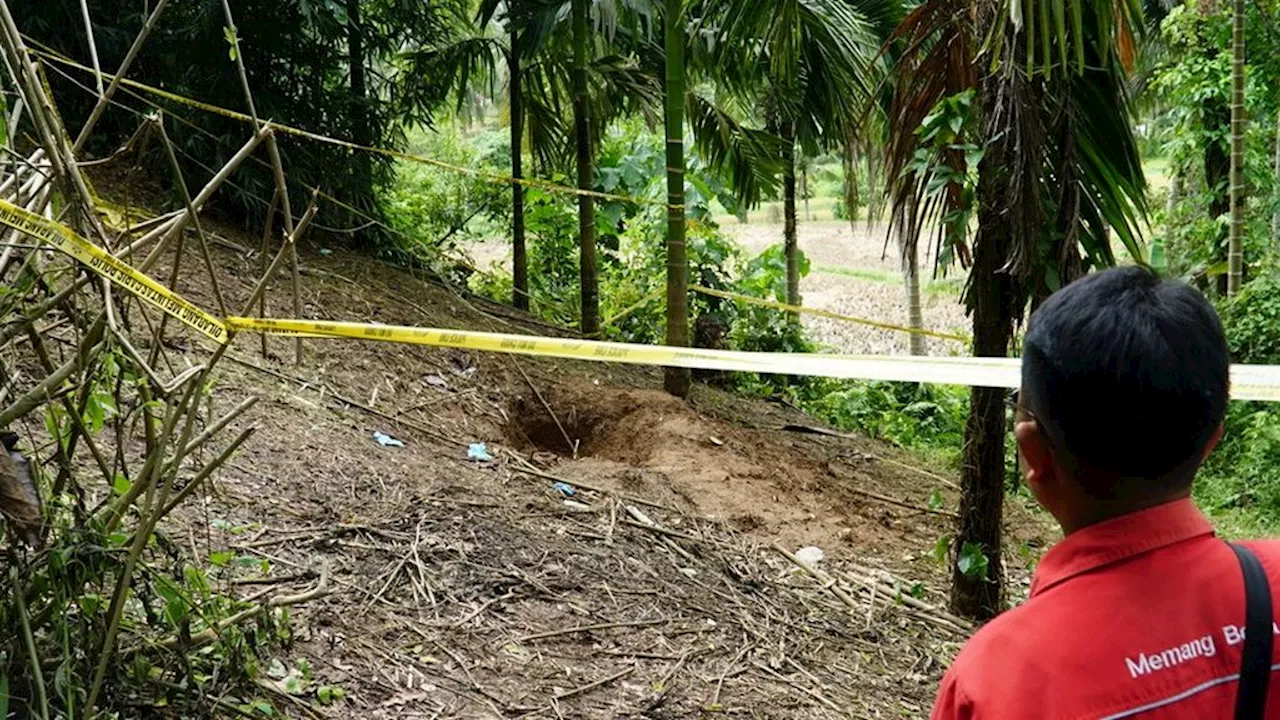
(1129, 374)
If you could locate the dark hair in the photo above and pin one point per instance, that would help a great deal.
(1128, 373)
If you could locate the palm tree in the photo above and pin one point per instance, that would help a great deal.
(1057, 170)
(677, 379)
(589, 285)
(1235, 240)
(807, 64)
(515, 109)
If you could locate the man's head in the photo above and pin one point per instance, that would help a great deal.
(1124, 388)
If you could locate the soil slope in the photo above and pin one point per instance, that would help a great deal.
(612, 552)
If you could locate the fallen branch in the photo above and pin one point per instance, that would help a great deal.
(592, 686)
(903, 504)
(207, 636)
(588, 628)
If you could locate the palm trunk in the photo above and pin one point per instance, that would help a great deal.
(519, 254)
(991, 299)
(874, 207)
(1235, 241)
(791, 243)
(910, 256)
(1275, 214)
(851, 198)
(804, 193)
(1217, 165)
(590, 290)
(362, 173)
(677, 379)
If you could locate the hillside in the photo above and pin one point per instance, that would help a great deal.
(616, 555)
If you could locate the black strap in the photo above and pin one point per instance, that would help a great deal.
(1255, 666)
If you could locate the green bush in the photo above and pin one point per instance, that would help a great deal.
(1238, 484)
(1252, 321)
(911, 415)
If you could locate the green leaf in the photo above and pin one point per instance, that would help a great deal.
(90, 604)
(972, 562)
(233, 51)
(935, 500)
(175, 606)
(121, 485)
(220, 558)
(329, 694)
(941, 547)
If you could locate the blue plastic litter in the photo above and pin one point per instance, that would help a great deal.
(479, 452)
(386, 440)
(565, 489)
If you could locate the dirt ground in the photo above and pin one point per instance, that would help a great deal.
(854, 273)
(610, 551)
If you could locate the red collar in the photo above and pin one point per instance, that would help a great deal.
(1118, 539)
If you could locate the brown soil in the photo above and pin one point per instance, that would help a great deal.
(467, 588)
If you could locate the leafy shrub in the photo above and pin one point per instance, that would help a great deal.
(1239, 478)
(907, 414)
(1252, 321)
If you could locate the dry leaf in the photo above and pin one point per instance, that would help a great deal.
(19, 500)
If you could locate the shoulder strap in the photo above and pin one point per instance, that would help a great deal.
(1255, 666)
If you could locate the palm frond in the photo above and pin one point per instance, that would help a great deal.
(750, 157)
(430, 77)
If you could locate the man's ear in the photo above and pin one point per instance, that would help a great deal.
(1037, 455)
(1214, 439)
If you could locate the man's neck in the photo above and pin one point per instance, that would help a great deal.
(1092, 511)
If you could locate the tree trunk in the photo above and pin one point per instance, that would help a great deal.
(1175, 194)
(1275, 188)
(875, 205)
(910, 258)
(992, 301)
(1217, 165)
(519, 254)
(590, 290)
(804, 193)
(361, 196)
(851, 198)
(1235, 241)
(791, 244)
(677, 379)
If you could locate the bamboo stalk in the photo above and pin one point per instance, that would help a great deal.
(277, 166)
(105, 99)
(93, 46)
(29, 643)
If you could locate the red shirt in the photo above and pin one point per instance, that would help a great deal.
(1140, 616)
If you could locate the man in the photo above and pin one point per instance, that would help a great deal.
(1139, 611)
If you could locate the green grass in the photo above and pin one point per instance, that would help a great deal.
(949, 287)
(1156, 169)
(869, 274)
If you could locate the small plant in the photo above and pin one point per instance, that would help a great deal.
(971, 561)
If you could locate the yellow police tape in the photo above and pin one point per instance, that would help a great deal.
(826, 314)
(1249, 382)
(114, 269)
(496, 178)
